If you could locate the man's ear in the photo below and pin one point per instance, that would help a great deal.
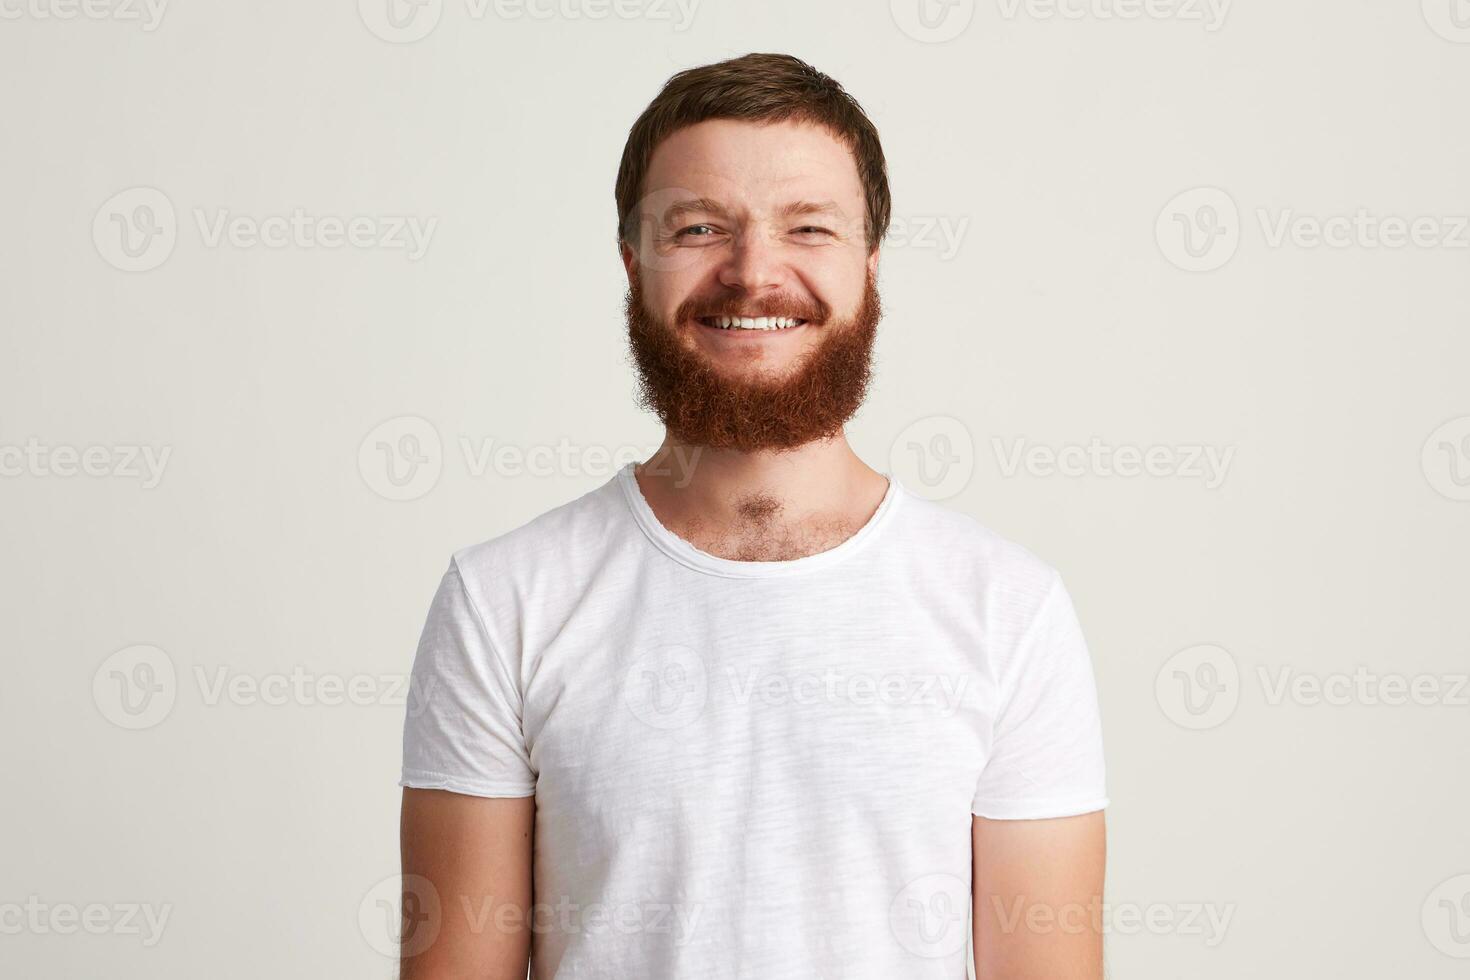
(630, 261)
(873, 261)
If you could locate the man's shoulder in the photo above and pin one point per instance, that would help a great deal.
(964, 560)
(555, 538)
(967, 540)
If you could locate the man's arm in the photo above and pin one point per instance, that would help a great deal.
(476, 852)
(1038, 898)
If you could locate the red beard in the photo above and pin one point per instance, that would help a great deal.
(702, 407)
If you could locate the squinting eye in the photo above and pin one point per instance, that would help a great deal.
(812, 230)
(689, 232)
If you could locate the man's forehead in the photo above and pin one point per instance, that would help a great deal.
(678, 206)
(745, 165)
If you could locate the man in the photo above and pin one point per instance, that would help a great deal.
(751, 708)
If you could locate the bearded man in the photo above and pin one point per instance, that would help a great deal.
(751, 708)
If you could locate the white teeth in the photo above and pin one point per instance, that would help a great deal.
(754, 322)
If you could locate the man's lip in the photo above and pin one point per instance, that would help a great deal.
(707, 321)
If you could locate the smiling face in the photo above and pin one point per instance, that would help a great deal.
(752, 304)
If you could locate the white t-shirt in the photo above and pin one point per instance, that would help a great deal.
(753, 769)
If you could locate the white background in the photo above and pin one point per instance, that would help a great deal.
(1040, 294)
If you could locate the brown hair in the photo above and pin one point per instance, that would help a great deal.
(757, 87)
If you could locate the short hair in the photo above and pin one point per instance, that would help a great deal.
(759, 88)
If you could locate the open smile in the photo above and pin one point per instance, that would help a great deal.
(767, 323)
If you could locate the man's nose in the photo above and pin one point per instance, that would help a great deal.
(754, 264)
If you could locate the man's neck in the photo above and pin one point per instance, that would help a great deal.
(761, 506)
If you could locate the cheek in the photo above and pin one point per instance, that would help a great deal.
(664, 290)
(839, 286)
(660, 295)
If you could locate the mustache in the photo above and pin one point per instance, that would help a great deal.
(700, 406)
(811, 310)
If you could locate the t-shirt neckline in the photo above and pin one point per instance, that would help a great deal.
(686, 554)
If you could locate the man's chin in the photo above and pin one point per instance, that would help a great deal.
(751, 393)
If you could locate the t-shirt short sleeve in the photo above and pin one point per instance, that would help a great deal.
(1046, 757)
(463, 727)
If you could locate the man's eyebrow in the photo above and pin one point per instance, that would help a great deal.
(698, 205)
(811, 207)
(706, 205)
